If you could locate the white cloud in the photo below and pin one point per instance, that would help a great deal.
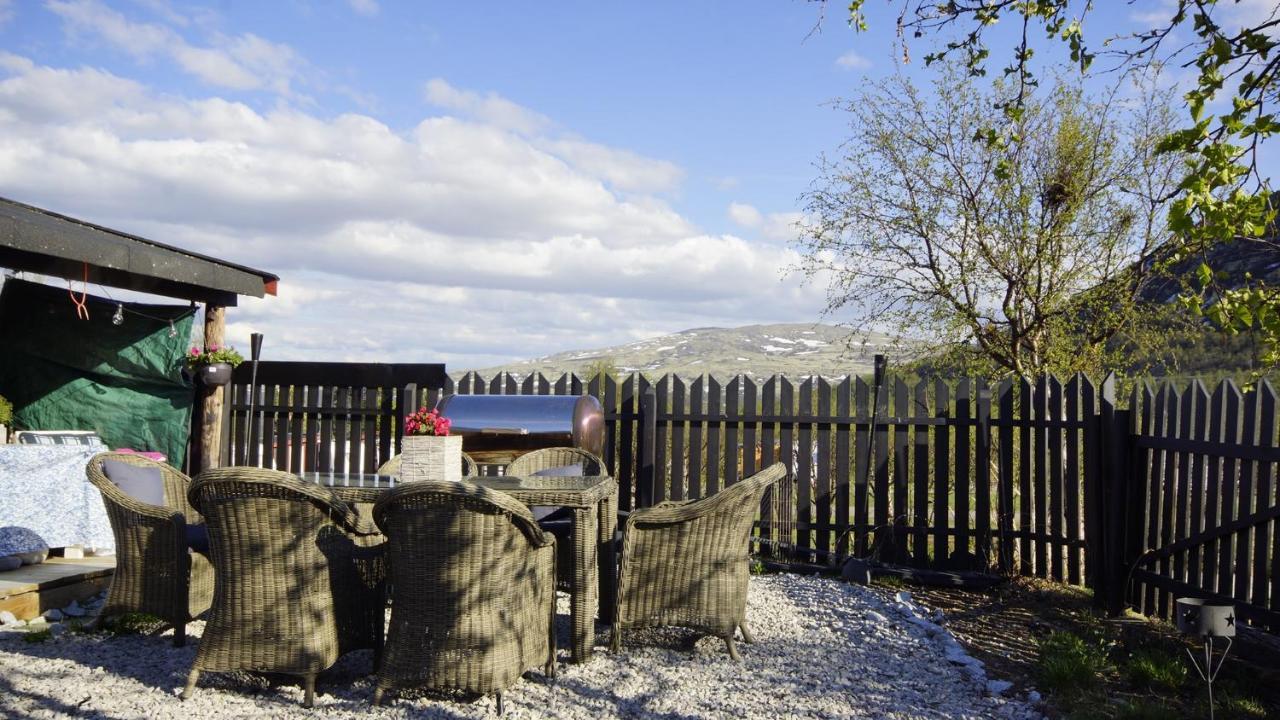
(489, 108)
(774, 226)
(623, 169)
(745, 215)
(244, 62)
(6, 11)
(471, 240)
(368, 8)
(853, 61)
(1249, 13)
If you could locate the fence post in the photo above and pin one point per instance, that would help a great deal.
(648, 428)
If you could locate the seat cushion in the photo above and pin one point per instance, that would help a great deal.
(198, 538)
(144, 484)
(561, 471)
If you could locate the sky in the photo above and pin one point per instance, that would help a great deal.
(467, 183)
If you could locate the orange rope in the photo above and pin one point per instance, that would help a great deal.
(82, 309)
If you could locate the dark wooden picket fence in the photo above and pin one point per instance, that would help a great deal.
(1047, 478)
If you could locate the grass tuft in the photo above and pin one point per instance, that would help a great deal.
(1145, 710)
(37, 636)
(1068, 663)
(1155, 669)
(1240, 707)
(132, 624)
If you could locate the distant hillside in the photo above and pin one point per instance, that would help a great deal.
(758, 350)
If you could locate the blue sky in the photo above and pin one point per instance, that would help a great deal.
(466, 182)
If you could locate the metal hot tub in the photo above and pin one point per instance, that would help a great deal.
(497, 429)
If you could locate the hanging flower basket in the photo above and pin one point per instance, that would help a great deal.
(214, 374)
(212, 366)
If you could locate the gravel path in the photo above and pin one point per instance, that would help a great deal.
(824, 649)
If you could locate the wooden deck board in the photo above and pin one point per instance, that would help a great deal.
(33, 589)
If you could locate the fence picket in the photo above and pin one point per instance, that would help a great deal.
(1262, 592)
(768, 404)
(843, 519)
(982, 475)
(662, 457)
(715, 401)
(823, 474)
(786, 494)
(964, 413)
(861, 455)
(804, 475)
(1025, 499)
(942, 470)
(1226, 548)
(697, 451)
(678, 455)
(920, 489)
(1005, 518)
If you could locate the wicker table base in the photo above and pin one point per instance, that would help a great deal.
(594, 501)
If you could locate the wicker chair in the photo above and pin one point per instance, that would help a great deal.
(473, 589)
(155, 572)
(562, 527)
(392, 466)
(547, 458)
(294, 588)
(687, 564)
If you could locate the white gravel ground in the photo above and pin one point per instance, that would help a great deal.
(824, 649)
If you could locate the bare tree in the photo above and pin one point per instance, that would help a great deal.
(1018, 257)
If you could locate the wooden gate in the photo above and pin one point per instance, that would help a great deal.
(1202, 510)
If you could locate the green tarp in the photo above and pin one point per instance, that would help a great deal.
(122, 381)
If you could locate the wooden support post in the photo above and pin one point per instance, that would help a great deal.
(215, 330)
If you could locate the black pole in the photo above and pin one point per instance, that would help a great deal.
(255, 351)
(881, 365)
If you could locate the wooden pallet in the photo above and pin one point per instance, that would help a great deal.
(33, 589)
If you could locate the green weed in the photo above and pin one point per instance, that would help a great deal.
(132, 624)
(1068, 663)
(1145, 710)
(1240, 707)
(1155, 669)
(37, 636)
(889, 581)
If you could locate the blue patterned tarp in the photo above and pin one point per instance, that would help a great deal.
(43, 488)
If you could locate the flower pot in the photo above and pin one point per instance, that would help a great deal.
(430, 457)
(214, 374)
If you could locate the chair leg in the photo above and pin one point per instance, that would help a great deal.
(377, 695)
(733, 650)
(191, 683)
(746, 635)
(500, 708)
(615, 642)
(179, 633)
(309, 684)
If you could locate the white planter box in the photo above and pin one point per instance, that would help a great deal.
(430, 457)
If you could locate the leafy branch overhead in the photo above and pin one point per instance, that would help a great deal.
(1223, 194)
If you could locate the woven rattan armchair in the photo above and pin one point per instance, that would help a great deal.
(687, 563)
(155, 573)
(392, 466)
(294, 587)
(547, 458)
(473, 589)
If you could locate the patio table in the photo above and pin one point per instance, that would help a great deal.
(594, 502)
